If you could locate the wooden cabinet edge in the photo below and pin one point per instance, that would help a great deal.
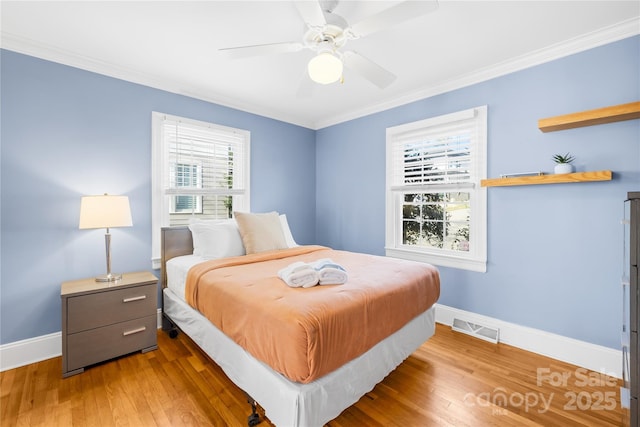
(598, 116)
(548, 179)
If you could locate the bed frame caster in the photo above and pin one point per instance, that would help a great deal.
(169, 327)
(254, 418)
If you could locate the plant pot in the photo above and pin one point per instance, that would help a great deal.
(563, 168)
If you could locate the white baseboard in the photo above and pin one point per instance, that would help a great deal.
(580, 353)
(32, 350)
(590, 356)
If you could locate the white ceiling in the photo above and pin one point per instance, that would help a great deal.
(174, 46)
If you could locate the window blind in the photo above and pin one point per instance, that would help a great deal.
(437, 156)
(203, 160)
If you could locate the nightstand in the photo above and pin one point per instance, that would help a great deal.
(103, 320)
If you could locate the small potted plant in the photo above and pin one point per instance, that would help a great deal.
(563, 163)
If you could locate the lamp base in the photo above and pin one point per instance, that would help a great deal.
(109, 277)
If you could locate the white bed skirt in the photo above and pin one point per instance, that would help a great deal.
(291, 404)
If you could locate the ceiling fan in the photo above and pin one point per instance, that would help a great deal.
(328, 32)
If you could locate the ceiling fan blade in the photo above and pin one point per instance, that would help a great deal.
(261, 49)
(311, 13)
(392, 16)
(368, 69)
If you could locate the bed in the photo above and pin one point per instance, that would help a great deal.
(310, 399)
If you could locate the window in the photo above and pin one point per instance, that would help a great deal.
(200, 170)
(186, 175)
(435, 207)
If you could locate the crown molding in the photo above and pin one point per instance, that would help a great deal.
(51, 53)
(44, 51)
(601, 37)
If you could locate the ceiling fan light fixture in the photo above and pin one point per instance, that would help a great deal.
(325, 68)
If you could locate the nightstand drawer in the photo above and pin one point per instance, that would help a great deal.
(89, 347)
(91, 311)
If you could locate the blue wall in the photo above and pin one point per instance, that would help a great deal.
(67, 133)
(554, 251)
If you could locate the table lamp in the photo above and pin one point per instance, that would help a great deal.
(105, 212)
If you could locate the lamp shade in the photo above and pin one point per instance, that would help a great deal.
(325, 68)
(105, 212)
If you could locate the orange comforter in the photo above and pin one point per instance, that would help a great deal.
(305, 333)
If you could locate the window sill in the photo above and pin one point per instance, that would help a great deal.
(438, 260)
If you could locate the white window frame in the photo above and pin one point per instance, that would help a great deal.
(160, 170)
(476, 258)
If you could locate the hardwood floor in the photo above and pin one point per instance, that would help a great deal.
(451, 380)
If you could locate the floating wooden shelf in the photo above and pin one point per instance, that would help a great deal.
(547, 179)
(598, 116)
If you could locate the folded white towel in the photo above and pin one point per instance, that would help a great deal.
(299, 274)
(329, 272)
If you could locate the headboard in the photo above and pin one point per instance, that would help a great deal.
(175, 241)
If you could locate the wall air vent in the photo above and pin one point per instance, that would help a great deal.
(483, 332)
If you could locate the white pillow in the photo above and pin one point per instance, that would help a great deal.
(260, 231)
(288, 237)
(216, 239)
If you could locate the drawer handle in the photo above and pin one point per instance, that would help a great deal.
(134, 331)
(141, 297)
